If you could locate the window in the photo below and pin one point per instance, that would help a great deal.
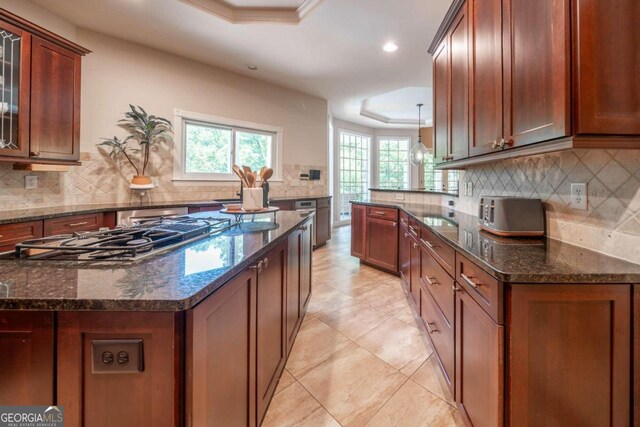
(353, 170)
(207, 147)
(393, 165)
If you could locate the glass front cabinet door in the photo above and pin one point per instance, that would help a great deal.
(15, 45)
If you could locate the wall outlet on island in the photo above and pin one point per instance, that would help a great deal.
(399, 196)
(579, 196)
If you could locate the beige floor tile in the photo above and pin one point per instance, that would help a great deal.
(397, 344)
(294, 406)
(388, 299)
(315, 343)
(285, 381)
(430, 376)
(414, 406)
(409, 316)
(326, 298)
(354, 319)
(355, 285)
(352, 385)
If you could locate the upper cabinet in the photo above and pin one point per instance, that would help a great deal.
(40, 83)
(536, 72)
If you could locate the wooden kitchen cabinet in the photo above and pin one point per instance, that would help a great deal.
(26, 368)
(574, 341)
(220, 361)
(270, 330)
(415, 269)
(74, 224)
(636, 356)
(441, 336)
(11, 234)
(323, 222)
(55, 102)
(43, 124)
(298, 280)
(459, 87)
(382, 243)
(479, 354)
(441, 99)
(537, 73)
(404, 254)
(306, 285)
(358, 230)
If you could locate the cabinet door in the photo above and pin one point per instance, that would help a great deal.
(382, 243)
(358, 230)
(55, 102)
(537, 70)
(15, 90)
(606, 67)
(404, 255)
(479, 364)
(271, 341)
(221, 360)
(26, 364)
(10, 234)
(441, 102)
(636, 356)
(486, 74)
(571, 351)
(323, 225)
(294, 306)
(306, 250)
(459, 118)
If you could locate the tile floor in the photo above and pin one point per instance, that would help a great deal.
(361, 357)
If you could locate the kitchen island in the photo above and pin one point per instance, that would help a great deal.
(527, 331)
(182, 337)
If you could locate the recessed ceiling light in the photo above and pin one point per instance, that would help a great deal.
(252, 67)
(390, 47)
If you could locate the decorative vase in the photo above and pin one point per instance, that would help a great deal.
(141, 180)
(252, 199)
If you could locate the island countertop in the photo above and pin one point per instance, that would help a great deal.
(168, 281)
(519, 260)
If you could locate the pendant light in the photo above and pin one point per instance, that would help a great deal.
(419, 152)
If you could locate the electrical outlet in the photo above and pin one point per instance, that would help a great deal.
(468, 189)
(399, 196)
(30, 182)
(579, 196)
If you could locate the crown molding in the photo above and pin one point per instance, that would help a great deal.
(444, 26)
(364, 112)
(240, 15)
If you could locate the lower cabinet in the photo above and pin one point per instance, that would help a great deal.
(636, 356)
(479, 347)
(10, 234)
(323, 222)
(440, 335)
(358, 231)
(570, 347)
(305, 265)
(382, 243)
(26, 355)
(270, 331)
(415, 269)
(404, 255)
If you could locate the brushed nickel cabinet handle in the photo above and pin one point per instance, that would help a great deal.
(77, 224)
(415, 245)
(494, 144)
(257, 267)
(34, 153)
(428, 244)
(431, 280)
(265, 263)
(431, 331)
(455, 289)
(469, 280)
(378, 213)
(406, 235)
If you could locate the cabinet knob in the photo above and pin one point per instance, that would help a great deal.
(415, 245)
(265, 263)
(429, 328)
(494, 144)
(257, 267)
(34, 153)
(455, 289)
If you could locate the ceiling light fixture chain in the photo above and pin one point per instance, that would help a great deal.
(419, 152)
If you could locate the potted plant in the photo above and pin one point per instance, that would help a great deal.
(146, 130)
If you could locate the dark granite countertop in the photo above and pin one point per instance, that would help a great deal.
(171, 281)
(519, 260)
(414, 190)
(21, 215)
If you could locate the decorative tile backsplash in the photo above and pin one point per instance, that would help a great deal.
(99, 180)
(611, 224)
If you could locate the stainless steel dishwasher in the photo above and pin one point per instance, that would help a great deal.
(305, 205)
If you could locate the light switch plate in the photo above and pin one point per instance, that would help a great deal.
(470, 189)
(30, 182)
(579, 196)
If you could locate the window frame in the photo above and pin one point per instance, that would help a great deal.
(338, 180)
(181, 118)
(378, 162)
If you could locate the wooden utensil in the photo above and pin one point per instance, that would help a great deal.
(246, 169)
(251, 179)
(241, 175)
(265, 177)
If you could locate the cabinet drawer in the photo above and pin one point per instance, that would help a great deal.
(442, 252)
(73, 224)
(439, 283)
(404, 218)
(323, 203)
(414, 228)
(482, 287)
(382, 213)
(10, 234)
(440, 334)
